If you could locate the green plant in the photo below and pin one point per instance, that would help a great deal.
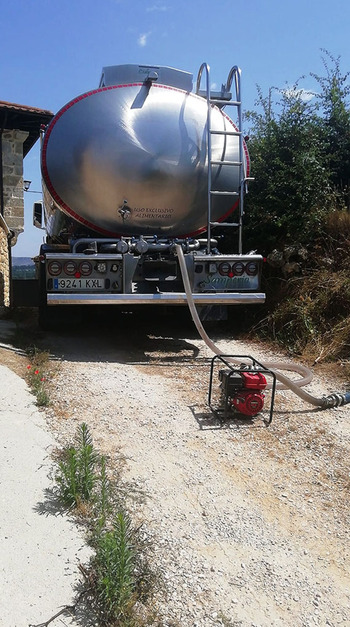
(36, 381)
(106, 496)
(36, 375)
(42, 398)
(76, 476)
(118, 578)
(38, 357)
(228, 622)
(113, 570)
(299, 144)
(290, 194)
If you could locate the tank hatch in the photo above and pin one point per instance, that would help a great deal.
(124, 74)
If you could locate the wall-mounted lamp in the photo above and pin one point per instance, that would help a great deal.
(26, 185)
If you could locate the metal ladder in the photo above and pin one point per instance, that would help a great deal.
(223, 99)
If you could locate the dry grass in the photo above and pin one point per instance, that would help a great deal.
(338, 226)
(311, 314)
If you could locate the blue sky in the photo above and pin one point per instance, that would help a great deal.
(53, 50)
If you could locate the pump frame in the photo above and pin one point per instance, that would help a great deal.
(255, 366)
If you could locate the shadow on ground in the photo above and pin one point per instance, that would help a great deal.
(110, 335)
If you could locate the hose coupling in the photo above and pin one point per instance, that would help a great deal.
(335, 400)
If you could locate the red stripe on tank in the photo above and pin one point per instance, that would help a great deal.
(70, 104)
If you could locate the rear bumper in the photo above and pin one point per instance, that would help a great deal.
(170, 298)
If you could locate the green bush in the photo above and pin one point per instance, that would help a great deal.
(300, 155)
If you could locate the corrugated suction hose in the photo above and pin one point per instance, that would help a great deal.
(333, 400)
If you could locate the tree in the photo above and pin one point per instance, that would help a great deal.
(288, 151)
(333, 106)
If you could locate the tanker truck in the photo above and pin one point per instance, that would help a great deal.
(147, 161)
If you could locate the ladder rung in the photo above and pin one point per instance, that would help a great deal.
(234, 133)
(227, 103)
(224, 224)
(217, 193)
(237, 163)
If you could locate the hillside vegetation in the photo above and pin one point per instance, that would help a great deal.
(298, 212)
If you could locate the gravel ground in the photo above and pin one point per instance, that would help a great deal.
(249, 524)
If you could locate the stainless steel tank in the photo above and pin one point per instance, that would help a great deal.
(131, 159)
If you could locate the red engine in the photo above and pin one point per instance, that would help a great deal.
(244, 390)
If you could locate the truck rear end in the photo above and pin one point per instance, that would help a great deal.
(132, 169)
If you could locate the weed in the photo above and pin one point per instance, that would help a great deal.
(37, 384)
(42, 398)
(39, 358)
(76, 476)
(228, 622)
(118, 578)
(113, 571)
(104, 504)
(36, 375)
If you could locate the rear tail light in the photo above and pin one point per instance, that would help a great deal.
(54, 268)
(252, 268)
(70, 267)
(238, 268)
(224, 268)
(85, 268)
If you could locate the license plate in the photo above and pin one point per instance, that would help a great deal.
(78, 284)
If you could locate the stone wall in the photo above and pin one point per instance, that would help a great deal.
(12, 167)
(12, 182)
(4, 271)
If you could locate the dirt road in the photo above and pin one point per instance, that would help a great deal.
(250, 524)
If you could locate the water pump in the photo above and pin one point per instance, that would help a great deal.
(242, 388)
(245, 390)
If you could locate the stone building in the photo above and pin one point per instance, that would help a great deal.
(19, 130)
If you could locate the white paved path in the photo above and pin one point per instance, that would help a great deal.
(39, 549)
